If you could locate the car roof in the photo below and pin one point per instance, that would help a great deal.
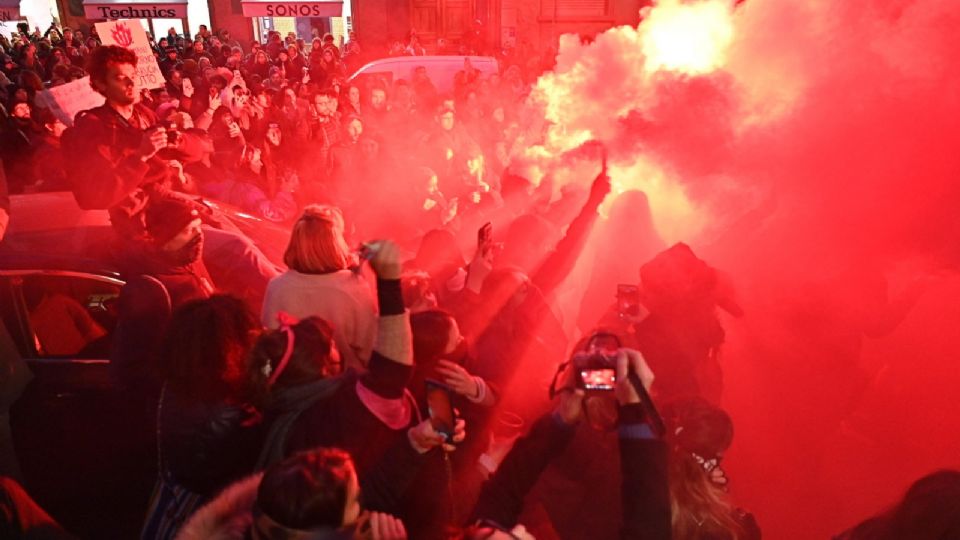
(410, 62)
(426, 60)
(49, 231)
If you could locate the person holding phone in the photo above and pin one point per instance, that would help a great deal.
(643, 461)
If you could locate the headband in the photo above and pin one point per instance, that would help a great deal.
(286, 326)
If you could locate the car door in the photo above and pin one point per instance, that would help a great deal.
(81, 448)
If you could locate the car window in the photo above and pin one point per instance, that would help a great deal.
(70, 315)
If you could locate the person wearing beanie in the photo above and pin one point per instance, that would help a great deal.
(170, 61)
(166, 273)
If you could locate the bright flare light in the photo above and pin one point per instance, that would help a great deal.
(690, 38)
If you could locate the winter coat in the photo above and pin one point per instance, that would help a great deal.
(103, 149)
(206, 446)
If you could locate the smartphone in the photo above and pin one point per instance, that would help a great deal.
(173, 135)
(485, 236)
(440, 408)
(628, 301)
(598, 379)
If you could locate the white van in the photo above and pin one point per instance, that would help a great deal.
(440, 69)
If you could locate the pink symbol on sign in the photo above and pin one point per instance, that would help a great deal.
(122, 35)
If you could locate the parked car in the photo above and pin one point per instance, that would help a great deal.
(86, 453)
(440, 69)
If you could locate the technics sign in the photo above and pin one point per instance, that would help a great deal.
(266, 8)
(102, 9)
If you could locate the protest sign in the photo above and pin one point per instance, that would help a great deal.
(66, 100)
(130, 35)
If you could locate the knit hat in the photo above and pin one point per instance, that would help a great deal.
(168, 215)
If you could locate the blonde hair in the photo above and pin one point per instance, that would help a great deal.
(316, 243)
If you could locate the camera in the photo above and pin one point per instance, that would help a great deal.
(595, 371)
(173, 135)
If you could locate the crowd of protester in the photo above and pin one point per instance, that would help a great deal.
(300, 402)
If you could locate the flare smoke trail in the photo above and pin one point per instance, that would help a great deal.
(812, 149)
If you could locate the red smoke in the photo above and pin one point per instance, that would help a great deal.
(814, 156)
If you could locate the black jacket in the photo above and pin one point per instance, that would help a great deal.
(643, 467)
(103, 146)
(205, 446)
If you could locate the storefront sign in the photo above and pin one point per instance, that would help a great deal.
(10, 10)
(105, 9)
(130, 35)
(66, 100)
(267, 8)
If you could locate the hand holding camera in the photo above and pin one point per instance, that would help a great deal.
(631, 361)
(152, 142)
(605, 369)
(173, 134)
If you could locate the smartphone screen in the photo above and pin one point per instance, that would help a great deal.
(598, 379)
(628, 300)
(440, 408)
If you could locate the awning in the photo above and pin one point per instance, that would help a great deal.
(287, 8)
(10, 10)
(99, 10)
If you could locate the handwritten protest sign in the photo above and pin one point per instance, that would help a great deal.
(130, 35)
(66, 100)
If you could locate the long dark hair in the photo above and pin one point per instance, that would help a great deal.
(204, 350)
(431, 334)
